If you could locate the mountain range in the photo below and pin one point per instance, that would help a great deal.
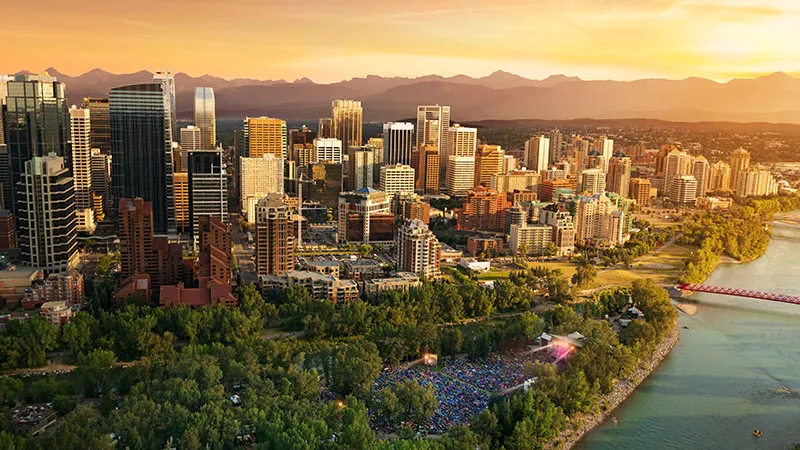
(499, 96)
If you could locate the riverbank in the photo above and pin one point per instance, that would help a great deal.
(580, 425)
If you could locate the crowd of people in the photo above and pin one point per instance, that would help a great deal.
(462, 388)
(458, 401)
(493, 374)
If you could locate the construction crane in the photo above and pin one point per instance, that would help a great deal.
(300, 180)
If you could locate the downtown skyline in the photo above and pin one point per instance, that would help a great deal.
(620, 40)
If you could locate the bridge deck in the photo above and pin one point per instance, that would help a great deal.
(771, 296)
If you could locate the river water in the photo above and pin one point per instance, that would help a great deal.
(735, 369)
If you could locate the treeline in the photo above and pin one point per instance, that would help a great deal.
(228, 385)
(740, 234)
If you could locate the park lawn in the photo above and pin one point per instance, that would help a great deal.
(658, 220)
(567, 268)
(494, 275)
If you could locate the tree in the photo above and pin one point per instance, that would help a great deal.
(26, 342)
(355, 432)
(93, 368)
(355, 368)
(365, 249)
(77, 334)
(63, 404)
(10, 390)
(451, 341)
(584, 274)
(415, 402)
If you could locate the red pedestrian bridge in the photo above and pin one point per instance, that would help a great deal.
(771, 296)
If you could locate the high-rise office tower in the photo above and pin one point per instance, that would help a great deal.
(102, 199)
(167, 82)
(4, 79)
(191, 140)
(181, 184)
(264, 135)
(683, 190)
(36, 124)
(433, 123)
(593, 181)
(397, 179)
(640, 191)
(418, 250)
(556, 145)
(46, 215)
(365, 217)
(537, 150)
(488, 162)
(258, 178)
(607, 147)
(81, 130)
(325, 128)
(274, 253)
(101, 123)
(208, 188)
(141, 149)
(398, 142)
(618, 178)
(676, 164)
(510, 163)
(347, 118)
(740, 163)
(301, 145)
(425, 161)
(702, 173)
(361, 171)
(461, 141)
(720, 176)
(205, 117)
(460, 175)
(328, 150)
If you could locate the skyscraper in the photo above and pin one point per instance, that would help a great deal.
(362, 167)
(740, 163)
(141, 149)
(274, 253)
(640, 191)
(460, 175)
(461, 141)
(433, 123)
(325, 128)
(102, 199)
(205, 116)
(264, 135)
(101, 123)
(327, 150)
(488, 162)
(135, 225)
(81, 130)
(537, 151)
(593, 181)
(191, 140)
(676, 164)
(397, 179)
(607, 147)
(259, 177)
(702, 173)
(208, 188)
(720, 176)
(425, 161)
(618, 178)
(46, 215)
(556, 144)
(683, 190)
(347, 118)
(180, 181)
(598, 222)
(36, 124)
(398, 142)
(418, 250)
(167, 82)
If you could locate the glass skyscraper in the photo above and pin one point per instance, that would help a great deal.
(205, 117)
(36, 124)
(141, 149)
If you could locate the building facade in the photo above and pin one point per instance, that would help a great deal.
(418, 250)
(259, 177)
(208, 188)
(264, 135)
(205, 117)
(365, 217)
(347, 122)
(81, 130)
(398, 142)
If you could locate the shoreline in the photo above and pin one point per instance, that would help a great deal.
(581, 425)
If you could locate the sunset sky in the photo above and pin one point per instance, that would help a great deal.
(330, 40)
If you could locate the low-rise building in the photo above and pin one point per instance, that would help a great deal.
(55, 288)
(714, 203)
(477, 245)
(56, 313)
(449, 254)
(474, 265)
(321, 287)
(213, 293)
(402, 281)
(362, 269)
(326, 267)
(34, 419)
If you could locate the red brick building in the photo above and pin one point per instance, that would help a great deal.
(482, 211)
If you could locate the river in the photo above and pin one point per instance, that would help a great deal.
(735, 369)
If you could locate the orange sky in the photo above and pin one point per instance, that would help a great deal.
(329, 40)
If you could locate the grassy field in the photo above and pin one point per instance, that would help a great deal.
(663, 267)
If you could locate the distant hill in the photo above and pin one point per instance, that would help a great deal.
(499, 96)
